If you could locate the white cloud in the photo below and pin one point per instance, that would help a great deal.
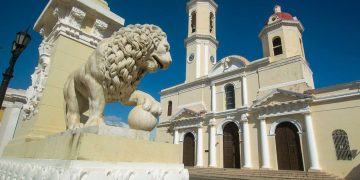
(115, 121)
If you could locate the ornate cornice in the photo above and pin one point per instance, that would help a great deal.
(192, 2)
(196, 37)
(281, 109)
(99, 28)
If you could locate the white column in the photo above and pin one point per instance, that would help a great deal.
(310, 137)
(246, 140)
(264, 145)
(212, 144)
(199, 148)
(213, 98)
(244, 91)
(176, 136)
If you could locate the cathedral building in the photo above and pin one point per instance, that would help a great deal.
(232, 112)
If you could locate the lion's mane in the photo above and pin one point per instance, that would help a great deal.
(121, 55)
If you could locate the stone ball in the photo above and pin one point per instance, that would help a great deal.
(140, 119)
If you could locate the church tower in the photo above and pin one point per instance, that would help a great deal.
(282, 36)
(201, 43)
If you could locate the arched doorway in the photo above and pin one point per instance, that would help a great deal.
(288, 147)
(231, 146)
(189, 150)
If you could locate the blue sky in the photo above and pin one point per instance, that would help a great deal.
(331, 37)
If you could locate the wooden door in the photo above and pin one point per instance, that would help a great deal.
(231, 147)
(288, 147)
(189, 150)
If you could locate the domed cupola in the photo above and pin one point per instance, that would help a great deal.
(280, 16)
(281, 36)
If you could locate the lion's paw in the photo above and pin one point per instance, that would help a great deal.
(76, 126)
(152, 106)
(95, 121)
(156, 109)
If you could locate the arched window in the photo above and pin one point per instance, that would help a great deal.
(169, 108)
(342, 146)
(230, 96)
(193, 22)
(277, 46)
(212, 22)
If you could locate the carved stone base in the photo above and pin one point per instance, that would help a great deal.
(88, 170)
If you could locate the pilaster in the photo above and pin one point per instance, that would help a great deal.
(213, 97)
(199, 148)
(312, 148)
(264, 145)
(246, 140)
(176, 136)
(212, 143)
(245, 91)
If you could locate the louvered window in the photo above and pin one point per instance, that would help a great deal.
(193, 22)
(277, 45)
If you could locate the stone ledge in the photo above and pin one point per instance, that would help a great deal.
(94, 147)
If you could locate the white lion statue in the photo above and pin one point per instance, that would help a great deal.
(113, 72)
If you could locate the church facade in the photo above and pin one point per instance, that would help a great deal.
(261, 114)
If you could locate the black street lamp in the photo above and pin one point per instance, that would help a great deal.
(18, 46)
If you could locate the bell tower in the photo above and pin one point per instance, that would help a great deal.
(282, 36)
(201, 44)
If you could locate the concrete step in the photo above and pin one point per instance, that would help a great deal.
(264, 173)
(218, 173)
(250, 176)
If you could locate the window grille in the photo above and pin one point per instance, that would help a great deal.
(342, 146)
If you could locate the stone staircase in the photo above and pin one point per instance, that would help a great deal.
(247, 174)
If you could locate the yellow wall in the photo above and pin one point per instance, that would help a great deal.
(328, 117)
(281, 74)
(221, 96)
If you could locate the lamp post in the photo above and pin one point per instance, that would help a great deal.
(18, 46)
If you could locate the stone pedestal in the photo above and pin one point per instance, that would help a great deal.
(94, 153)
(99, 143)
